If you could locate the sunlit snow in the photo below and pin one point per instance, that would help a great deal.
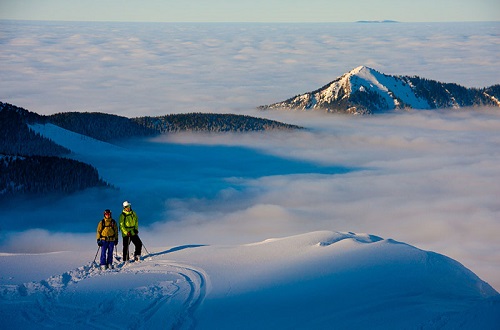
(315, 280)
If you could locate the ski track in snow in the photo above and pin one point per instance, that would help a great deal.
(168, 295)
(255, 286)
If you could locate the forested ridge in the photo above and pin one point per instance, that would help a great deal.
(448, 95)
(45, 174)
(100, 126)
(33, 164)
(16, 138)
(211, 122)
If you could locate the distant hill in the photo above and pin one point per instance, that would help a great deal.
(211, 122)
(16, 138)
(383, 21)
(100, 126)
(107, 127)
(366, 91)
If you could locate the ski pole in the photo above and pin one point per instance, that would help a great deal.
(144, 246)
(116, 253)
(98, 248)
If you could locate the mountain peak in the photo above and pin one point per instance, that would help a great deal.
(364, 90)
(360, 68)
(364, 78)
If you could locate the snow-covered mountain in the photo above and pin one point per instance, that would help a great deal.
(364, 90)
(317, 280)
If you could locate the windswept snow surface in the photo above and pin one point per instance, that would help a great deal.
(318, 280)
(388, 87)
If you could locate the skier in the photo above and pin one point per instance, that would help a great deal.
(129, 225)
(107, 239)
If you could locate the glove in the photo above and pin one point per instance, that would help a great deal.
(128, 233)
(99, 242)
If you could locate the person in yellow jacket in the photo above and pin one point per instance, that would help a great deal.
(129, 226)
(107, 239)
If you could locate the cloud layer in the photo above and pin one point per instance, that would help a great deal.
(152, 69)
(426, 178)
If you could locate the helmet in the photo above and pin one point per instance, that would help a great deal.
(107, 212)
(125, 204)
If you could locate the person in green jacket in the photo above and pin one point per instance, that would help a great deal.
(129, 226)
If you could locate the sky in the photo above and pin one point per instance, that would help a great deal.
(251, 10)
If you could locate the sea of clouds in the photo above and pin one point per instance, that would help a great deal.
(427, 178)
(137, 69)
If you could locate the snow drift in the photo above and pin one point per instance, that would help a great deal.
(315, 280)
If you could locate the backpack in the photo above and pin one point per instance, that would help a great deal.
(112, 225)
(125, 215)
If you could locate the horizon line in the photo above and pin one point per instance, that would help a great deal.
(384, 21)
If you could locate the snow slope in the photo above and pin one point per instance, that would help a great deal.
(318, 280)
(389, 87)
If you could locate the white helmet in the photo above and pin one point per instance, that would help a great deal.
(126, 203)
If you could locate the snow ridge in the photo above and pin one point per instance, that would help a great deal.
(360, 238)
(343, 280)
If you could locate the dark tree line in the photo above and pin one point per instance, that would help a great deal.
(446, 95)
(16, 138)
(106, 127)
(210, 122)
(45, 174)
(100, 126)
